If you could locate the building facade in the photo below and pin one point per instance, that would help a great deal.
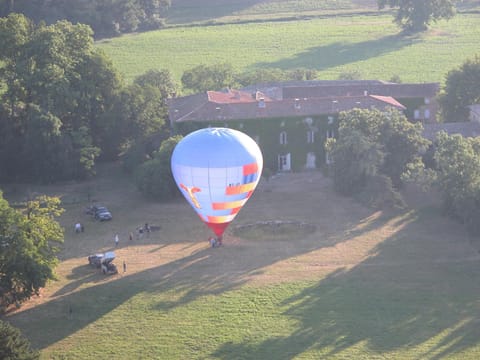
(292, 120)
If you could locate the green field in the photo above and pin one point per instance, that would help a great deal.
(370, 45)
(364, 285)
(223, 11)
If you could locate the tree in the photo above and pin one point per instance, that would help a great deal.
(208, 77)
(106, 17)
(55, 105)
(357, 158)
(160, 79)
(350, 75)
(13, 346)
(461, 90)
(259, 76)
(457, 162)
(374, 147)
(142, 112)
(417, 15)
(29, 240)
(154, 177)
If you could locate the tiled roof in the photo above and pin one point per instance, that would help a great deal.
(397, 91)
(389, 100)
(235, 96)
(294, 98)
(210, 111)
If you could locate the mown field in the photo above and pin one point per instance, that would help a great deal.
(367, 44)
(363, 285)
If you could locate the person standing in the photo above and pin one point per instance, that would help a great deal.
(116, 240)
(124, 266)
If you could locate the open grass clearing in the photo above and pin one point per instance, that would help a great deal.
(370, 45)
(364, 285)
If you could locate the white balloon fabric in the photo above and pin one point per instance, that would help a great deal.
(217, 170)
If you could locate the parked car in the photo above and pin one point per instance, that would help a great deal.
(96, 260)
(99, 212)
(104, 261)
(103, 215)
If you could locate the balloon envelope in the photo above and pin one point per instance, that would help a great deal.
(217, 170)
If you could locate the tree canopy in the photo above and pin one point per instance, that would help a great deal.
(154, 177)
(63, 105)
(457, 165)
(417, 15)
(461, 90)
(29, 241)
(57, 90)
(372, 151)
(13, 345)
(105, 17)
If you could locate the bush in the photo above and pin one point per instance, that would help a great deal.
(13, 346)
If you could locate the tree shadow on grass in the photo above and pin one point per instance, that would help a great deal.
(413, 295)
(202, 273)
(410, 290)
(186, 11)
(339, 53)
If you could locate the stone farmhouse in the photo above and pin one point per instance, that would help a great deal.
(291, 120)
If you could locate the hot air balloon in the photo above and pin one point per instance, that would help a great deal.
(217, 170)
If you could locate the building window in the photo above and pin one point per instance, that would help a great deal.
(330, 134)
(427, 114)
(310, 137)
(283, 138)
(416, 114)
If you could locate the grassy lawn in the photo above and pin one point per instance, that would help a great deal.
(363, 285)
(370, 45)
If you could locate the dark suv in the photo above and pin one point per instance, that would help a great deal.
(102, 214)
(99, 212)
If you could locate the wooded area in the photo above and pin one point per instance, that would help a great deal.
(106, 17)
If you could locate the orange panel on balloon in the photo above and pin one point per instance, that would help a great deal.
(220, 219)
(228, 205)
(240, 189)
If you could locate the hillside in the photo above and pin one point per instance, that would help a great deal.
(225, 11)
(368, 44)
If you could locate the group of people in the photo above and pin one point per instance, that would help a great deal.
(215, 241)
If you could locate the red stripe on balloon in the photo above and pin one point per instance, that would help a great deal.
(235, 210)
(218, 229)
(250, 169)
